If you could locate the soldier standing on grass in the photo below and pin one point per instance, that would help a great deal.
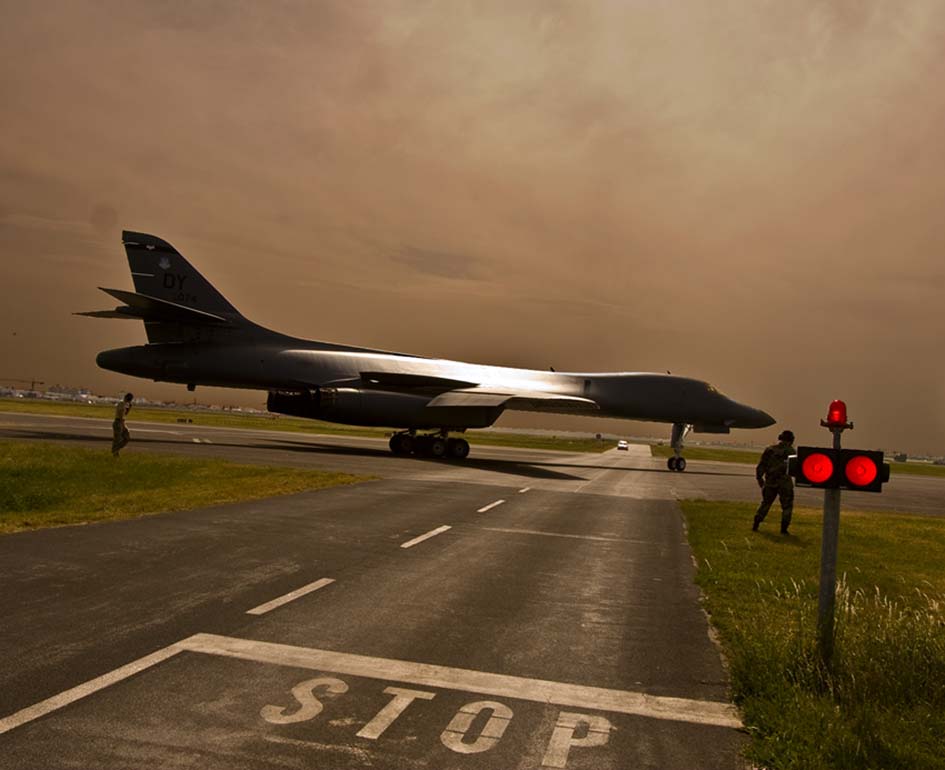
(773, 478)
(120, 434)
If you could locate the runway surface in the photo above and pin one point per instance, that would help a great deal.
(618, 474)
(521, 609)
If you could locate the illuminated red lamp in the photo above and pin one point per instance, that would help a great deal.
(817, 468)
(837, 414)
(861, 471)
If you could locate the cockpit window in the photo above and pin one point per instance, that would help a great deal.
(710, 388)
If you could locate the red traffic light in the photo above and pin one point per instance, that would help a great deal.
(817, 468)
(837, 414)
(861, 470)
(825, 468)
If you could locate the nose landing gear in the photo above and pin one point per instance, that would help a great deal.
(436, 445)
(677, 462)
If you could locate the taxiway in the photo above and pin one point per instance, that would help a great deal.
(522, 609)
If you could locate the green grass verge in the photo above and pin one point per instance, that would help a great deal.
(750, 456)
(710, 453)
(47, 485)
(882, 702)
(917, 469)
(224, 419)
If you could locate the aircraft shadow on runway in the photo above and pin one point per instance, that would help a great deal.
(538, 469)
(517, 468)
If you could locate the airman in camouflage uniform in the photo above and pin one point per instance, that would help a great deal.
(120, 434)
(773, 478)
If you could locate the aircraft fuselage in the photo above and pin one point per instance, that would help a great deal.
(336, 375)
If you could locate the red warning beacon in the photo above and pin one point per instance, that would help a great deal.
(835, 468)
(837, 416)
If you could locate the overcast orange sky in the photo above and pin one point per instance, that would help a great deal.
(752, 193)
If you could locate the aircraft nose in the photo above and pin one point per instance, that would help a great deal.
(757, 418)
(749, 417)
(764, 419)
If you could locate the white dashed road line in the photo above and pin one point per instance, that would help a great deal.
(523, 491)
(262, 609)
(490, 506)
(427, 536)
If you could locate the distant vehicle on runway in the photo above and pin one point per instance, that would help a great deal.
(196, 337)
(623, 445)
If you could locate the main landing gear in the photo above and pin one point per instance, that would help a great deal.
(436, 445)
(677, 462)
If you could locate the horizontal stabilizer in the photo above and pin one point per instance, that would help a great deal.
(523, 400)
(118, 312)
(144, 307)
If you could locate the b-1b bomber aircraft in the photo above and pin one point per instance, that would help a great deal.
(196, 337)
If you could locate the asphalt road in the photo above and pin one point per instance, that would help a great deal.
(414, 621)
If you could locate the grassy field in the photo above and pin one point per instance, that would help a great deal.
(917, 469)
(712, 454)
(882, 702)
(47, 485)
(222, 419)
(751, 456)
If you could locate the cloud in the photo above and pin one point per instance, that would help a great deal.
(441, 264)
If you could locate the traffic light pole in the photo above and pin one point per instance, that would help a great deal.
(828, 565)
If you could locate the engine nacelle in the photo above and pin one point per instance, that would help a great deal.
(377, 408)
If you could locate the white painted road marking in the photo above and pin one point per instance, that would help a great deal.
(427, 536)
(465, 680)
(490, 734)
(386, 716)
(501, 685)
(490, 506)
(78, 692)
(523, 491)
(262, 609)
(566, 534)
(309, 705)
(562, 739)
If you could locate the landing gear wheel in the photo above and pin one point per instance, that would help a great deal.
(396, 445)
(458, 448)
(681, 464)
(407, 444)
(437, 447)
(671, 463)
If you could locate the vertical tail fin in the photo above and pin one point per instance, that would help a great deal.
(160, 271)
